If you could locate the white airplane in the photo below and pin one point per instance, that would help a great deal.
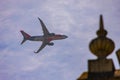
(46, 38)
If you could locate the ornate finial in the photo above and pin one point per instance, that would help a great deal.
(101, 32)
(101, 46)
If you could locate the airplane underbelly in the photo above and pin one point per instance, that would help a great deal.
(37, 39)
(51, 38)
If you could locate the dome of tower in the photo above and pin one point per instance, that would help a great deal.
(101, 46)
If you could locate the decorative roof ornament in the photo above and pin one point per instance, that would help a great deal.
(101, 46)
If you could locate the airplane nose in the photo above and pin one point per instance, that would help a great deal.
(65, 36)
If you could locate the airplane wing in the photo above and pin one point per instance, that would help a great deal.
(41, 47)
(45, 31)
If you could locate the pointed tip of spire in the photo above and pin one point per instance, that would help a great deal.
(101, 31)
(100, 15)
(101, 22)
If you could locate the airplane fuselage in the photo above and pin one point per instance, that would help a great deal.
(48, 38)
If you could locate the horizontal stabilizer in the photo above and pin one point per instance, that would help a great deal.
(25, 36)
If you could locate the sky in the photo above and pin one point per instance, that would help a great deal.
(67, 59)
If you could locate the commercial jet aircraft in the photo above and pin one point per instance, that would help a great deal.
(46, 38)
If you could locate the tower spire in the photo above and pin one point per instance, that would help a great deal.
(101, 23)
(101, 32)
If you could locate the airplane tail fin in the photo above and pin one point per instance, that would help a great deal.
(25, 36)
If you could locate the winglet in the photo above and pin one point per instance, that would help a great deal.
(39, 19)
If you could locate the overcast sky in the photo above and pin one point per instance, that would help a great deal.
(67, 59)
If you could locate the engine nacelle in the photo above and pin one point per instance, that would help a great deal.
(50, 44)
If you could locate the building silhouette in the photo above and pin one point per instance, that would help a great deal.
(101, 68)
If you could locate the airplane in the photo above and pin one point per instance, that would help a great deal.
(46, 38)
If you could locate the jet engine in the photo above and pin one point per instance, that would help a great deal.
(51, 44)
